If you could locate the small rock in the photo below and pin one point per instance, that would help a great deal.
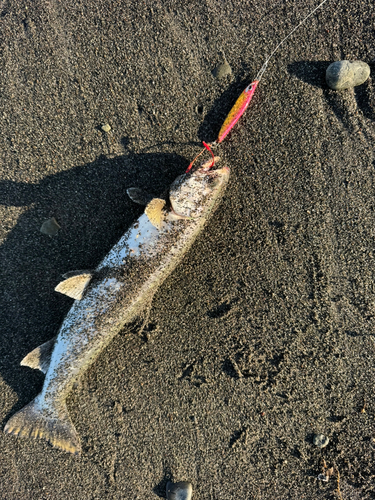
(179, 491)
(342, 75)
(320, 440)
(222, 70)
(106, 127)
(50, 227)
(323, 477)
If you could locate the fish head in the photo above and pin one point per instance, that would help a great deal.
(195, 194)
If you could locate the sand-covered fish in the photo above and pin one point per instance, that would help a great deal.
(111, 296)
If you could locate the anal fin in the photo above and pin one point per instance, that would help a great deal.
(40, 357)
(75, 284)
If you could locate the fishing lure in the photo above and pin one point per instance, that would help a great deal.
(244, 99)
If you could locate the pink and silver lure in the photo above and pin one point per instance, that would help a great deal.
(244, 99)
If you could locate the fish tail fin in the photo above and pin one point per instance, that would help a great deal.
(54, 426)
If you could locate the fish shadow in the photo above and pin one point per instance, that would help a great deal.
(90, 204)
(313, 73)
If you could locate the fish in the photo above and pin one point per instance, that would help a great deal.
(113, 295)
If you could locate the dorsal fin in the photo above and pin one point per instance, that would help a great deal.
(75, 284)
(40, 357)
(154, 212)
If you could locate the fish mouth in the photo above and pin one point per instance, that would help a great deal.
(225, 170)
(218, 176)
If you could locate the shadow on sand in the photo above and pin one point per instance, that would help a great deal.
(91, 206)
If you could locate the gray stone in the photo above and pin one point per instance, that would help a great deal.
(342, 75)
(50, 227)
(106, 127)
(179, 491)
(320, 440)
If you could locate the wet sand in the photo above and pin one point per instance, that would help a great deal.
(264, 336)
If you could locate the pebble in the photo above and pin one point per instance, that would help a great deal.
(179, 491)
(342, 75)
(106, 127)
(222, 70)
(50, 227)
(320, 440)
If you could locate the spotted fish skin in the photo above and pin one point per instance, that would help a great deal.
(120, 288)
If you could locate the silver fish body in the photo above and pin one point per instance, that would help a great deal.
(120, 288)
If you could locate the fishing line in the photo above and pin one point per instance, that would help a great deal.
(244, 99)
(264, 67)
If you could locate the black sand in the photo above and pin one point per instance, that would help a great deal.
(265, 334)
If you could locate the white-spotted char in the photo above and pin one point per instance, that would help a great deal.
(111, 296)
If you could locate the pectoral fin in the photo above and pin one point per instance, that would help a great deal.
(75, 284)
(139, 196)
(39, 358)
(154, 212)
